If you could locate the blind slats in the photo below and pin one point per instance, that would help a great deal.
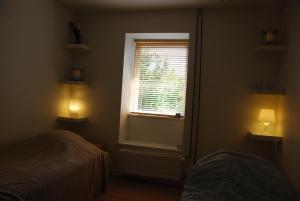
(159, 84)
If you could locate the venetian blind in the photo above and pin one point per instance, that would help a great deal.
(160, 76)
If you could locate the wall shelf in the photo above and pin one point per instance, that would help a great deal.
(72, 120)
(273, 92)
(74, 82)
(257, 137)
(271, 48)
(81, 48)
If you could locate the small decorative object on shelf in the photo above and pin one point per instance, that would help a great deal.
(261, 87)
(270, 43)
(76, 32)
(77, 74)
(177, 115)
(270, 37)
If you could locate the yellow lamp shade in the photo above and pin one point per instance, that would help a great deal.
(267, 116)
(74, 106)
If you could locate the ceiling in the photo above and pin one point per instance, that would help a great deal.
(92, 5)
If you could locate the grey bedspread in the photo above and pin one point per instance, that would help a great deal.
(230, 176)
(55, 166)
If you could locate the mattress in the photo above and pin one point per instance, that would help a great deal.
(54, 166)
(231, 176)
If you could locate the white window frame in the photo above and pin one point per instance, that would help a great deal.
(129, 60)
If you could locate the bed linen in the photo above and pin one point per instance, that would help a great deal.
(232, 176)
(54, 166)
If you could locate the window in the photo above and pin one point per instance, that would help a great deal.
(160, 76)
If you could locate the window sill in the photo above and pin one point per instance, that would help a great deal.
(149, 145)
(154, 116)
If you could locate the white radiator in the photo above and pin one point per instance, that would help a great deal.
(154, 164)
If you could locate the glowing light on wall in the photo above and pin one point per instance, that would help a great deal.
(73, 101)
(267, 115)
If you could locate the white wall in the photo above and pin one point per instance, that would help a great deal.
(32, 57)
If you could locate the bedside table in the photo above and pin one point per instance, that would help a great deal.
(274, 139)
(100, 145)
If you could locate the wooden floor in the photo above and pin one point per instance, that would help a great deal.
(134, 190)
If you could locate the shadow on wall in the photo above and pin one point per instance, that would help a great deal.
(291, 71)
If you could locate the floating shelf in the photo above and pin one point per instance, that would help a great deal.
(271, 48)
(265, 138)
(74, 82)
(274, 92)
(72, 120)
(78, 48)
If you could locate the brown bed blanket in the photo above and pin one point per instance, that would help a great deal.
(55, 166)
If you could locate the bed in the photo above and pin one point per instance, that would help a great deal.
(54, 166)
(232, 176)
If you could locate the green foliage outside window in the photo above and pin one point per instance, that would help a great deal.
(161, 86)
